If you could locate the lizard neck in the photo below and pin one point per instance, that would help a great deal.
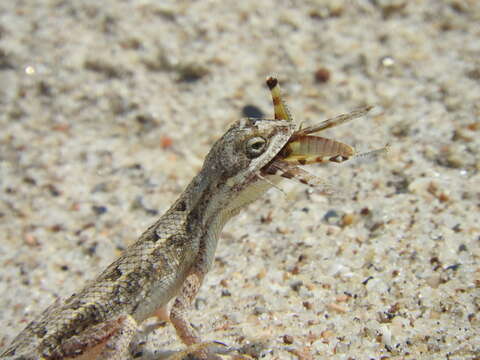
(208, 200)
(210, 203)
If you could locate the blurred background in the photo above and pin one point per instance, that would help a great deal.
(108, 108)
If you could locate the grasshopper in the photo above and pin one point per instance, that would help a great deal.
(304, 148)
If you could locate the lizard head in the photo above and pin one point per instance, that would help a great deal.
(255, 154)
(232, 170)
(247, 147)
(250, 144)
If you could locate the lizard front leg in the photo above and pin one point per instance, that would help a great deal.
(182, 303)
(183, 327)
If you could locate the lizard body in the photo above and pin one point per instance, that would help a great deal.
(170, 259)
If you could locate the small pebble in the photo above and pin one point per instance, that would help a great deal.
(31, 240)
(337, 308)
(322, 75)
(331, 217)
(99, 210)
(348, 219)
(287, 339)
(259, 310)
(307, 305)
(387, 61)
(166, 142)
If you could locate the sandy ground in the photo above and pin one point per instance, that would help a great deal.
(107, 111)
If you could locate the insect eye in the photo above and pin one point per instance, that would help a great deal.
(255, 146)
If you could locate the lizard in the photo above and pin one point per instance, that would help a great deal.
(164, 269)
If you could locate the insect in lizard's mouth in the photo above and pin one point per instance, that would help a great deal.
(306, 149)
(303, 148)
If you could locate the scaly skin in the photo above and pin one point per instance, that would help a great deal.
(168, 262)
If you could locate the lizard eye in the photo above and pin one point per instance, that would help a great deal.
(255, 146)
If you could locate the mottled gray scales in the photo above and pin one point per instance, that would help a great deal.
(167, 264)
